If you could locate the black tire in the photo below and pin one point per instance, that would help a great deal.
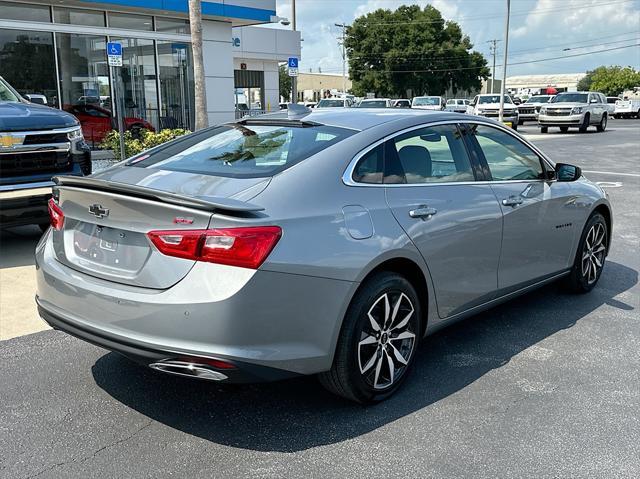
(520, 122)
(638, 113)
(564, 129)
(544, 129)
(348, 376)
(603, 123)
(581, 279)
(514, 126)
(585, 123)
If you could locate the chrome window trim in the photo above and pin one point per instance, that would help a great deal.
(38, 148)
(347, 176)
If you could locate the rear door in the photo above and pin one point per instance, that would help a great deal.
(539, 214)
(455, 222)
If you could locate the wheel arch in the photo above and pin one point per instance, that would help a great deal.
(605, 211)
(414, 273)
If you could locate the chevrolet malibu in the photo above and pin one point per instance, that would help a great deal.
(328, 242)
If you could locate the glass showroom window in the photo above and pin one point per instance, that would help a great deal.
(27, 63)
(172, 25)
(84, 83)
(130, 21)
(74, 16)
(138, 75)
(24, 12)
(176, 85)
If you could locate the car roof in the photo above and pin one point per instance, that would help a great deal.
(357, 119)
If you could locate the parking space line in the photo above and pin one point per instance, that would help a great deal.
(611, 173)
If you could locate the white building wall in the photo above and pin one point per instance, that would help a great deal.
(218, 71)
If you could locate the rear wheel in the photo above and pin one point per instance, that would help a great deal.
(590, 257)
(585, 123)
(377, 342)
(515, 126)
(603, 124)
(544, 129)
(564, 129)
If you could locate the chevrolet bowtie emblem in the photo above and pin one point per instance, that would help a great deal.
(98, 211)
(9, 141)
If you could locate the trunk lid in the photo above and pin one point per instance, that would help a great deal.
(108, 216)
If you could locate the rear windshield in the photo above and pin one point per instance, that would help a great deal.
(428, 100)
(242, 151)
(330, 103)
(373, 104)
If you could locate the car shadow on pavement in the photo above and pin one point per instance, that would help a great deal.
(298, 414)
(18, 246)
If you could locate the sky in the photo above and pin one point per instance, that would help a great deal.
(539, 30)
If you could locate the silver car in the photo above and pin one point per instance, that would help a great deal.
(574, 110)
(328, 242)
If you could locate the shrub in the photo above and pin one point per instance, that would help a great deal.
(143, 140)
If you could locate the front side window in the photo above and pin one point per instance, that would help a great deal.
(6, 94)
(493, 99)
(429, 155)
(507, 157)
(243, 151)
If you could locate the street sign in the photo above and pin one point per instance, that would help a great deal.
(293, 66)
(114, 54)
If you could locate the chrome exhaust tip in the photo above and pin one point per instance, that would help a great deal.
(192, 370)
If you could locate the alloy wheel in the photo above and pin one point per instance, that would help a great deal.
(387, 340)
(593, 253)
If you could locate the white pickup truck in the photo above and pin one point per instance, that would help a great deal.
(629, 106)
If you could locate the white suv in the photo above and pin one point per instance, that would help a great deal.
(489, 105)
(579, 109)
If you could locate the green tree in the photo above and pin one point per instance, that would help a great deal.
(613, 80)
(391, 52)
(585, 82)
(285, 83)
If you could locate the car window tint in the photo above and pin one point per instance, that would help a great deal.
(370, 167)
(244, 151)
(429, 155)
(507, 157)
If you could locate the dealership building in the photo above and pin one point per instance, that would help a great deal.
(57, 49)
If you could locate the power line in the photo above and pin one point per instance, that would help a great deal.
(488, 17)
(510, 63)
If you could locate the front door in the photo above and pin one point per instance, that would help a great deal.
(455, 223)
(539, 214)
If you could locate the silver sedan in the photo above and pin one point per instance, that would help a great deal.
(327, 242)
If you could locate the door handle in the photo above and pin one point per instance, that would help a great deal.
(422, 211)
(512, 201)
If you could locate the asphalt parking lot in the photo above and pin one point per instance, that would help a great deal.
(547, 385)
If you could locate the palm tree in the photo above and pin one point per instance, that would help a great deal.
(195, 19)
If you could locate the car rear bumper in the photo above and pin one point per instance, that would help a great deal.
(285, 322)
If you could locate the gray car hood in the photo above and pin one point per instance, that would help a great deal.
(186, 184)
(566, 105)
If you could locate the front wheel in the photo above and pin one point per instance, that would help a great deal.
(378, 340)
(564, 129)
(590, 256)
(515, 126)
(544, 129)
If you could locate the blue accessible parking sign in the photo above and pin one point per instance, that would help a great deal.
(114, 54)
(293, 62)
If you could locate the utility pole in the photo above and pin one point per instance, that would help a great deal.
(344, 57)
(493, 47)
(294, 80)
(506, 52)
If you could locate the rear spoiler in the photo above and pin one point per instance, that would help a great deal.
(205, 203)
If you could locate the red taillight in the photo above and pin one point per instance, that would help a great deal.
(56, 216)
(245, 247)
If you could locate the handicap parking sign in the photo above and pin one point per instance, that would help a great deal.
(114, 54)
(293, 62)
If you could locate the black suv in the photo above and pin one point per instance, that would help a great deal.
(36, 143)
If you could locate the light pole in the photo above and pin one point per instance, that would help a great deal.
(344, 59)
(294, 80)
(506, 52)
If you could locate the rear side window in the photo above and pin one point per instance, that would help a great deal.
(370, 167)
(429, 155)
(243, 151)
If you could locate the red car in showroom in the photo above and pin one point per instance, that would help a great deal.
(97, 122)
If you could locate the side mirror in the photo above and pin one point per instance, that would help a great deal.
(35, 99)
(594, 100)
(565, 172)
